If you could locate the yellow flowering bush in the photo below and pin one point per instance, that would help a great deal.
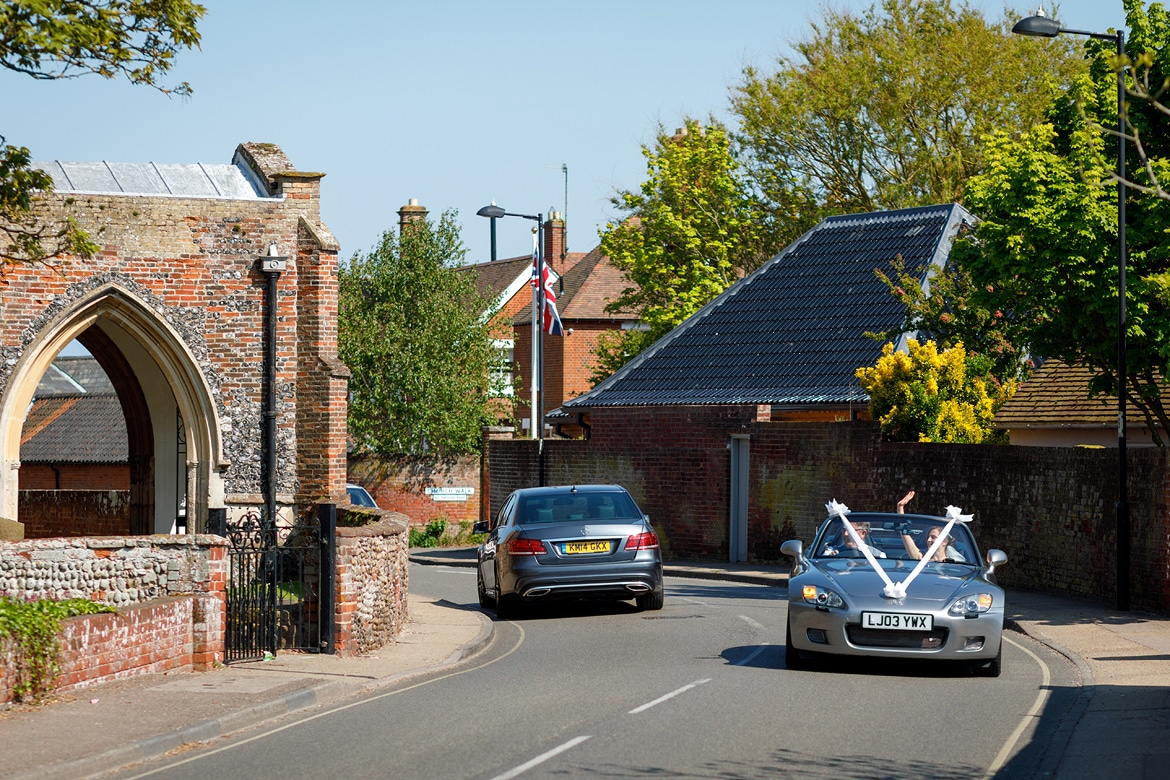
(927, 395)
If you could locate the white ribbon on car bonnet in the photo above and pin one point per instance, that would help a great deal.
(954, 514)
(897, 590)
(840, 510)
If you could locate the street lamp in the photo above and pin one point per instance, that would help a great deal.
(1041, 26)
(536, 404)
(492, 212)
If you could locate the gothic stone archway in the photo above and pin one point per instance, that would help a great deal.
(176, 290)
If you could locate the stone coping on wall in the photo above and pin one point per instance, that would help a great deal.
(389, 521)
(392, 524)
(113, 542)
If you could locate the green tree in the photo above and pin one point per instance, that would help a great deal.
(888, 108)
(1047, 242)
(954, 310)
(62, 39)
(691, 230)
(413, 332)
(927, 395)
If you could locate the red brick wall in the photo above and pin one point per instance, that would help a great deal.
(75, 476)
(50, 512)
(1050, 509)
(400, 485)
(146, 638)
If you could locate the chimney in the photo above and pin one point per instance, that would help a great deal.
(554, 242)
(411, 212)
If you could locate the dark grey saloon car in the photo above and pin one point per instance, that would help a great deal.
(572, 541)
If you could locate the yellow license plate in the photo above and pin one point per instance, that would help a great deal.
(576, 548)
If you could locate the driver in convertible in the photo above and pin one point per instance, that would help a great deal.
(849, 548)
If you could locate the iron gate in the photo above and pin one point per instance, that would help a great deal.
(279, 584)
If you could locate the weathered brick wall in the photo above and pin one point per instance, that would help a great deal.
(372, 576)
(169, 591)
(47, 513)
(1051, 509)
(400, 485)
(158, 636)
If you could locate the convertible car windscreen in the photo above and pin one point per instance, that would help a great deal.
(592, 507)
(895, 540)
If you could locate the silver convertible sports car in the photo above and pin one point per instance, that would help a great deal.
(894, 585)
(578, 541)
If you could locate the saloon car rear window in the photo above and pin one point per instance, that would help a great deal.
(604, 507)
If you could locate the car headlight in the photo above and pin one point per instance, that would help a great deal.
(972, 604)
(822, 597)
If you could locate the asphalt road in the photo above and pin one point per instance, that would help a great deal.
(697, 690)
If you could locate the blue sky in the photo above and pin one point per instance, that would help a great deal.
(454, 103)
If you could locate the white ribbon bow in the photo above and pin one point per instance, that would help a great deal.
(897, 590)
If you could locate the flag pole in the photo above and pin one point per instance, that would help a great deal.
(540, 334)
(535, 384)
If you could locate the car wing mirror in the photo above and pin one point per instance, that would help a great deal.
(995, 558)
(794, 548)
(480, 528)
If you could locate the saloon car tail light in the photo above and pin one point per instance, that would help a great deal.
(522, 546)
(644, 541)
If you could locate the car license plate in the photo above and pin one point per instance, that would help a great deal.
(897, 620)
(576, 548)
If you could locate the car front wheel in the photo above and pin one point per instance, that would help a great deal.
(792, 658)
(993, 667)
(485, 601)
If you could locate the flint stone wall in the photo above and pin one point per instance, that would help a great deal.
(372, 579)
(115, 570)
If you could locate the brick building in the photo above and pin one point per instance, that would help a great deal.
(173, 308)
(585, 283)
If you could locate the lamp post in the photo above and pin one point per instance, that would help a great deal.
(536, 407)
(1042, 27)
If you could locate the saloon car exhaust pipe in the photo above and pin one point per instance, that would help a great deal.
(637, 587)
(537, 592)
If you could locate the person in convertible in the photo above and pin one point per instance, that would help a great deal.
(848, 548)
(946, 551)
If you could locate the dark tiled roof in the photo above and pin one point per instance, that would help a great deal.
(793, 331)
(75, 429)
(1057, 396)
(76, 417)
(74, 376)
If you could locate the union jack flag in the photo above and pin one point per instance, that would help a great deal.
(552, 320)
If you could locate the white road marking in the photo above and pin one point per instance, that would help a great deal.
(692, 601)
(330, 711)
(670, 695)
(759, 650)
(540, 759)
(751, 622)
(1006, 751)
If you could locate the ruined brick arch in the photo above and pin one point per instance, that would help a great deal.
(154, 370)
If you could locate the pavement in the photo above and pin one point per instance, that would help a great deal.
(1118, 724)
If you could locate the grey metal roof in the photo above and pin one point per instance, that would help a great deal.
(187, 180)
(793, 331)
